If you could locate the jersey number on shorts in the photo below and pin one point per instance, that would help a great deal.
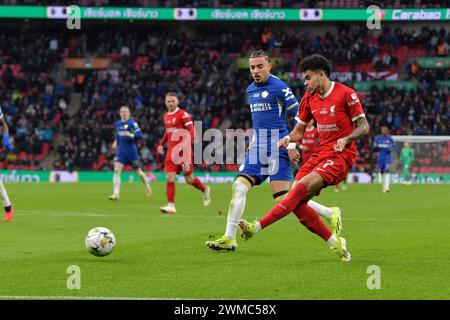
(329, 163)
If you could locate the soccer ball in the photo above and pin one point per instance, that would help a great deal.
(100, 241)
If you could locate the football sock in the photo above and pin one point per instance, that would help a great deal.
(386, 180)
(116, 182)
(295, 196)
(236, 208)
(4, 196)
(170, 191)
(332, 240)
(198, 184)
(311, 220)
(321, 209)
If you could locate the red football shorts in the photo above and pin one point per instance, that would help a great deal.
(170, 165)
(333, 167)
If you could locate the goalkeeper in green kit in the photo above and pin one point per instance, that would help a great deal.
(406, 157)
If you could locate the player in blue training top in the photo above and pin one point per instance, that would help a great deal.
(9, 210)
(384, 144)
(270, 99)
(128, 135)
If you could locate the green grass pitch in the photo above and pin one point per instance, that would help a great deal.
(405, 233)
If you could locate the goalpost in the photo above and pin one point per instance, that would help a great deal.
(431, 162)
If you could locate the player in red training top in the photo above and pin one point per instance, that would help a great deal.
(340, 121)
(180, 131)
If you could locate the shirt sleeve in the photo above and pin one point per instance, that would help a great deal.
(288, 99)
(353, 105)
(304, 114)
(137, 131)
(186, 119)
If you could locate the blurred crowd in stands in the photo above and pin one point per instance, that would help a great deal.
(202, 68)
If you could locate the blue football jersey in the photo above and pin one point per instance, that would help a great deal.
(384, 144)
(269, 103)
(126, 135)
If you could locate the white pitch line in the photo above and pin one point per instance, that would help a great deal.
(84, 298)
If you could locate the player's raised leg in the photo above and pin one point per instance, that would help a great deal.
(118, 167)
(143, 178)
(9, 210)
(170, 193)
(196, 183)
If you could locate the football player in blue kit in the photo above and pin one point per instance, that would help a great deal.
(384, 144)
(270, 99)
(128, 135)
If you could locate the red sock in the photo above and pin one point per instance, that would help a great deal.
(198, 184)
(286, 206)
(170, 191)
(311, 220)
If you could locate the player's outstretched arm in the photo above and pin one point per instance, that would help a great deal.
(295, 135)
(362, 128)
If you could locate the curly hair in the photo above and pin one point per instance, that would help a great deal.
(315, 62)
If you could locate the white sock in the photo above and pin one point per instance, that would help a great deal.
(332, 240)
(387, 181)
(321, 209)
(116, 182)
(380, 177)
(143, 178)
(4, 195)
(236, 209)
(258, 227)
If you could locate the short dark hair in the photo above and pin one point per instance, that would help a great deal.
(260, 53)
(315, 62)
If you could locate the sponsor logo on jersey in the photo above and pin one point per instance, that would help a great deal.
(323, 110)
(327, 127)
(287, 92)
(256, 95)
(264, 106)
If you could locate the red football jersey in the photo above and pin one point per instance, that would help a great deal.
(310, 140)
(173, 121)
(335, 113)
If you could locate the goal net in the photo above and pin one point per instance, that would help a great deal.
(431, 162)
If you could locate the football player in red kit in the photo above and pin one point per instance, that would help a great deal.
(180, 132)
(340, 121)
